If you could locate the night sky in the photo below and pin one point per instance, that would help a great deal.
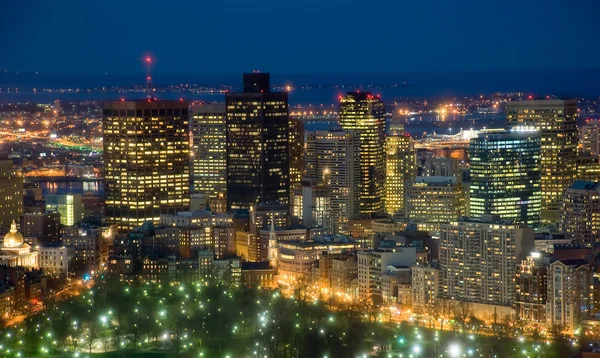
(289, 36)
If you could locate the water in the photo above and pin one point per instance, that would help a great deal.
(324, 88)
(418, 126)
(95, 187)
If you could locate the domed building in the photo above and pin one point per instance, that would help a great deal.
(15, 252)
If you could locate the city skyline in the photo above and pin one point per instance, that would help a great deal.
(378, 179)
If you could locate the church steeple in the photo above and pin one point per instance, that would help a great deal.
(273, 251)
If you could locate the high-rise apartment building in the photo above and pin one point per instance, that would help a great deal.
(146, 159)
(435, 199)
(401, 168)
(580, 212)
(364, 113)
(589, 136)
(69, 206)
(556, 122)
(478, 259)
(335, 159)
(296, 139)
(570, 294)
(258, 164)
(505, 176)
(425, 287)
(209, 154)
(11, 194)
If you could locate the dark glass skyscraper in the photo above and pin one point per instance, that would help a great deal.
(364, 113)
(146, 159)
(505, 176)
(258, 164)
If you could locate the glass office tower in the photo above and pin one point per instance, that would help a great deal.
(505, 176)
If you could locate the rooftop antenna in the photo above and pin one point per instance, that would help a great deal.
(148, 78)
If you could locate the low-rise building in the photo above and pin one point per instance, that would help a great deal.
(258, 275)
(373, 264)
(54, 259)
(344, 271)
(298, 258)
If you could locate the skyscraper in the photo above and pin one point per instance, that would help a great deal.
(580, 212)
(589, 136)
(209, 131)
(296, 151)
(505, 176)
(556, 122)
(11, 194)
(147, 160)
(336, 161)
(258, 165)
(365, 114)
(401, 168)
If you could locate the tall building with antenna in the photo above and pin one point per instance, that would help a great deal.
(258, 158)
(146, 159)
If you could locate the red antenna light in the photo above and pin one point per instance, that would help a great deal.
(148, 78)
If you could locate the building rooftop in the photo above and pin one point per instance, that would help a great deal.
(262, 265)
(573, 262)
(585, 185)
(436, 180)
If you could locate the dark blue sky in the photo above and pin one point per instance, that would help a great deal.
(289, 36)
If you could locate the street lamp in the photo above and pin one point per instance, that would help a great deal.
(454, 350)
(416, 349)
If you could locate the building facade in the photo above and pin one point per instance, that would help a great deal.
(570, 294)
(401, 168)
(297, 162)
(435, 199)
(556, 122)
(335, 159)
(373, 265)
(209, 163)
(364, 113)
(580, 212)
(146, 159)
(478, 259)
(54, 259)
(11, 194)
(69, 206)
(589, 136)
(505, 176)
(531, 289)
(311, 204)
(258, 163)
(425, 287)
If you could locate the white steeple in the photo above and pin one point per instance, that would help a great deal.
(273, 251)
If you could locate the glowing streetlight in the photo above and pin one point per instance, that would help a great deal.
(454, 350)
